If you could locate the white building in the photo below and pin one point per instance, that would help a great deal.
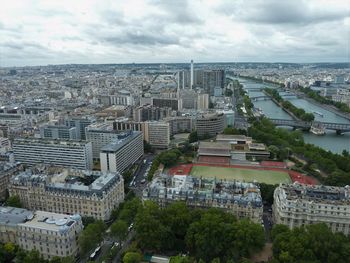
(122, 152)
(75, 154)
(296, 205)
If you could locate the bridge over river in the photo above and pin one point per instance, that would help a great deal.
(297, 124)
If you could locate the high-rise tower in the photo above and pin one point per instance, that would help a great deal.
(191, 87)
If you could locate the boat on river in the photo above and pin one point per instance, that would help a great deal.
(317, 129)
(319, 113)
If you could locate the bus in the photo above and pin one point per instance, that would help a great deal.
(95, 253)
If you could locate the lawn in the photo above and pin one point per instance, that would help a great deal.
(247, 175)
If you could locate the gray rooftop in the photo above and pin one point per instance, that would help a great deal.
(13, 216)
(119, 143)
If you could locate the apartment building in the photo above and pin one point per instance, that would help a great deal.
(156, 133)
(60, 190)
(100, 135)
(6, 171)
(210, 124)
(58, 132)
(75, 154)
(241, 199)
(51, 234)
(123, 152)
(297, 204)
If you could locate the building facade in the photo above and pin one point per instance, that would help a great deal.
(123, 152)
(80, 123)
(59, 190)
(100, 134)
(240, 199)
(296, 205)
(51, 234)
(210, 124)
(6, 171)
(58, 132)
(75, 154)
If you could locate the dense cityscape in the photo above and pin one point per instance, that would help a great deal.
(184, 162)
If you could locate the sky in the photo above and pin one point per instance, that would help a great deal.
(46, 32)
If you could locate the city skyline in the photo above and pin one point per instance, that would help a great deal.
(50, 32)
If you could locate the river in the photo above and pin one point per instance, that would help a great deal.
(330, 141)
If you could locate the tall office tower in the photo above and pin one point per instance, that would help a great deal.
(212, 79)
(191, 87)
(75, 154)
(203, 101)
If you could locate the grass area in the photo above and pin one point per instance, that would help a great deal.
(247, 175)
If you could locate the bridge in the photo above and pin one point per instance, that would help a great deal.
(265, 97)
(297, 124)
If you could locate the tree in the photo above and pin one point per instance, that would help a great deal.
(147, 147)
(193, 137)
(14, 201)
(228, 92)
(87, 220)
(119, 229)
(132, 257)
(91, 236)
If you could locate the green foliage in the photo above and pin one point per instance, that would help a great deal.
(119, 229)
(206, 234)
(267, 191)
(13, 201)
(87, 220)
(129, 210)
(147, 147)
(317, 97)
(299, 113)
(132, 257)
(91, 236)
(234, 131)
(312, 243)
(193, 137)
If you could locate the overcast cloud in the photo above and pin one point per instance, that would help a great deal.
(45, 32)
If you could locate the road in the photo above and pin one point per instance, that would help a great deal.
(139, 175)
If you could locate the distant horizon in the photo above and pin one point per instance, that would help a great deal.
(184, 63)
(158, 31)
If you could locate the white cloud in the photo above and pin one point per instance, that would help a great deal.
(93, 31)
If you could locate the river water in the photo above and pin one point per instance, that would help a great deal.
(330, 141)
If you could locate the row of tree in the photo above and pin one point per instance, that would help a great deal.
(317, 97)
(10, 252)
(204, 234)
(298, 112)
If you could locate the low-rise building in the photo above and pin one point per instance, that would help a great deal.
(122, 152)
(241, 199)
(51, 234)
(60, 190)
(299, 204)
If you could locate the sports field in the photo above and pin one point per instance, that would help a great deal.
(247, 175)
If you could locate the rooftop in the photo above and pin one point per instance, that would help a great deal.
(51, 221)
(61, 142)
(119, 143)
(13, 216)
(317, 193)
(191, 188)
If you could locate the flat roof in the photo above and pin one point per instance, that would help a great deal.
(117, 144)
(51, 221)
(232, 137)
(13, 216)
(61, 142)
(215, 145)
